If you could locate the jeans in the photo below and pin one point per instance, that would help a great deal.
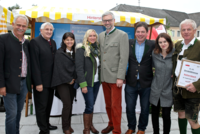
(131, 94)
(14, 104)
(90, 97)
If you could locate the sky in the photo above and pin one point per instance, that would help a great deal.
(187, 6)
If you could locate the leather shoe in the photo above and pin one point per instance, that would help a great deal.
(140, 132)
(67, 132)
(129, 131)
(106, 130)
(71, 129)
(52, 127)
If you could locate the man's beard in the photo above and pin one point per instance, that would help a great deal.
(109, 28)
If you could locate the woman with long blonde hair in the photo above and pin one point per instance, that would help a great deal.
(87, 68)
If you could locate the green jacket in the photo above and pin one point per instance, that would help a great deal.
(192, 53)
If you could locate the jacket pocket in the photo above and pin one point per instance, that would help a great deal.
(114, 44)
(114, 69)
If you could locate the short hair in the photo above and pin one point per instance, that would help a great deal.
(188, 21)
(21, 16)
(108, 13)
(65, 36)
(45, 24)
(142, 24)
(157, 48)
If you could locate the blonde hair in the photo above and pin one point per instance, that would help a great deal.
(85, 41)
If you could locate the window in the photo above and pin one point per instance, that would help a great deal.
(198, 33)
(172, 31)
(178, 33)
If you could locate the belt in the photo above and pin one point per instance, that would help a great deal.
(22, 78)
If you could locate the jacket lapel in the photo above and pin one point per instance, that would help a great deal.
(133, 49)
(146, 48)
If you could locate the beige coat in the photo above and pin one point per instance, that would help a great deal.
(114, 55)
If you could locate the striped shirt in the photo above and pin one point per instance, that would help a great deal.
(24, 59)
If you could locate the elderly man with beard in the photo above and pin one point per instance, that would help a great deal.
(114, 58)
(42, 51)
(14, 72)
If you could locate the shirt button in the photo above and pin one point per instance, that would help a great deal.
(19, 67)
(138, 64)
(135, 75)
(137, 70)
(20, 51)
(19, 75)
(20, 59)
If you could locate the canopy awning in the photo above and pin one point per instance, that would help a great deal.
(8, 15)
(85, 16)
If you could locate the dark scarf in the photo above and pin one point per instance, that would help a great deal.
(94, 49)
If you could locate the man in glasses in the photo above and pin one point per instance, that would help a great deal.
(114, 58)
(15, 78)
(42, 50)
(187, 100)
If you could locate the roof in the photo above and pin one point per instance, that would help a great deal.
(173, 17)
(195, 17)
(85, 16)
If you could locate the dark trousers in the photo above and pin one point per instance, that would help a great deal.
(67, 94)
(90, 97)
(43, 102)
(166, 115)
(131, 94)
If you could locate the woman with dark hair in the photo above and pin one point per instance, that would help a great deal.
(63, 78)
(161, 87)
(87, 69)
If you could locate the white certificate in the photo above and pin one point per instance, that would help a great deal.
(189, 73)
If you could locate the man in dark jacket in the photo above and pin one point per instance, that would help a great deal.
(14, 72)
(187, 100)
(139, 78)
(42, 50)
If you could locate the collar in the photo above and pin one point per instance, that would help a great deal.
(23, 39)
(190, 43)
(111, 31)
(44, 38)
(69, 51)
(143, 43)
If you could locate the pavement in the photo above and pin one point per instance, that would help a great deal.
(28, 124)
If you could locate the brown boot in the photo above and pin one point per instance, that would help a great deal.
(86, 120)
(140, 132)
(92, 128)
(108, 129)
(67, 132)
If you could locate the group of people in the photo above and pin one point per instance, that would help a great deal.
(110, 59)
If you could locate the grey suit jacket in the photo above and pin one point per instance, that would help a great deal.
(114, 55)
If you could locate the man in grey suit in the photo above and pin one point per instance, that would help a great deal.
(114, 48)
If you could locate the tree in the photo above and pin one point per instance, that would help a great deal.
(167, 26)
(14, 7)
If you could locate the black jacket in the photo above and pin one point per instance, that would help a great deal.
(42, 59)
(11, 62)
(85, 67)
(64, 68)
(144, 67)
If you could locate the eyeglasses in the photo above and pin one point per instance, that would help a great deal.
(109, 21)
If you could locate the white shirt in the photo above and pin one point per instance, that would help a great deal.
(185, 46)
(96, 77)
(69, 51)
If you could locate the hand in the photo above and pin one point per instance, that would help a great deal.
(84, 90)
(190, 87)
(3, 91)
(119, 83)
(124, 82)
(31, 86)
(39, 88)
(172, 76)
(72, 82)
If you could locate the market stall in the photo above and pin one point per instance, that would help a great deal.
(79, 21)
